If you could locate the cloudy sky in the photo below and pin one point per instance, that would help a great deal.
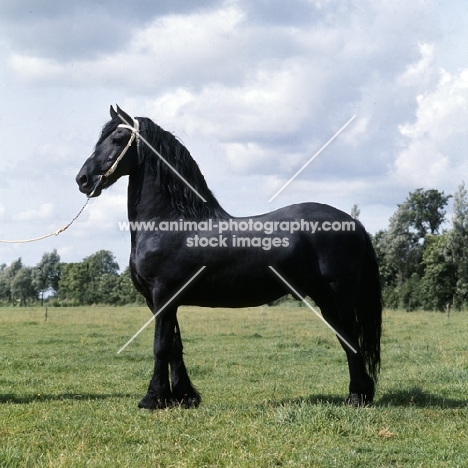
(252, 88)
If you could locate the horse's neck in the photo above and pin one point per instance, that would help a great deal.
(146, 202)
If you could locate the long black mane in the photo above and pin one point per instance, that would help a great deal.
(184, 201)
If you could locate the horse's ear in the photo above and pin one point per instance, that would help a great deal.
(124, 116)
(113, 113)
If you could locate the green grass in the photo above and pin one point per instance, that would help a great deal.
(273, 382)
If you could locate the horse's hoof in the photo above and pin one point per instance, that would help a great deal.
(358, 399)
(153, 402)
(189, 400)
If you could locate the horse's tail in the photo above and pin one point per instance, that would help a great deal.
(369, 311)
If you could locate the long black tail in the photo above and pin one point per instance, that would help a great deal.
(369, 312)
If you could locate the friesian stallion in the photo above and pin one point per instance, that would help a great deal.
(179, 228)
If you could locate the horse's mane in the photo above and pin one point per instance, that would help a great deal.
(184, 201)
(108, 128)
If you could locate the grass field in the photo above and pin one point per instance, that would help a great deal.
(273, 382)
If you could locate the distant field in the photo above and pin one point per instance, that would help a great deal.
(273, 382)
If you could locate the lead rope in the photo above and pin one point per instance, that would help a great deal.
(55, 233)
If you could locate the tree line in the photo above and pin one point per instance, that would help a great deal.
(422, 265)
(94, 280)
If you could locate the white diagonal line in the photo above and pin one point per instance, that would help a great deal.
(155, 151)
(311, 159)
(312, 309)
(161, 309)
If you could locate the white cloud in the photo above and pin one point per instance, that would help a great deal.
(423, 72)
(357, 133)
(36, 69)
(2, 210)
(243, 157)
(270, 102)
(44, 212)
(436, 142)
(102, 214)
(70, 31)
(168, 50)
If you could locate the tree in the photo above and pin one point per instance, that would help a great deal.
(4, 285)
(73, 283)
(22, 288)
(97, 265)
(388, 271)
(355, 211)
(426, 210)
(108, 291)
(128, 292)
(439, 281)
(399, 244)
(92, 281)
(46, 274)
(102, 262)
(7, 275)
(458, 242)
(403, 245)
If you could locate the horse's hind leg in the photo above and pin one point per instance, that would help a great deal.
(361, 385)
(337, 306)
(183, 391)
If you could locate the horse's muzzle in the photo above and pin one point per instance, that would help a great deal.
(91, 187)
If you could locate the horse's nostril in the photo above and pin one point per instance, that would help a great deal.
(82, 181)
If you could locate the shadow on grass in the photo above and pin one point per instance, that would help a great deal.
(26, 399)
(417, 397)
(400, 398)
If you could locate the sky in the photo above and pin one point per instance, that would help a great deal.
(252, 88)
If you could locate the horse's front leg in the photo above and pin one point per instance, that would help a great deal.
(183, 391)
(159, 393)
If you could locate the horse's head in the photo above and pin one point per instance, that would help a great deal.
(115, 154)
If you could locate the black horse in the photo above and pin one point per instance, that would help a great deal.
(179, 227)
